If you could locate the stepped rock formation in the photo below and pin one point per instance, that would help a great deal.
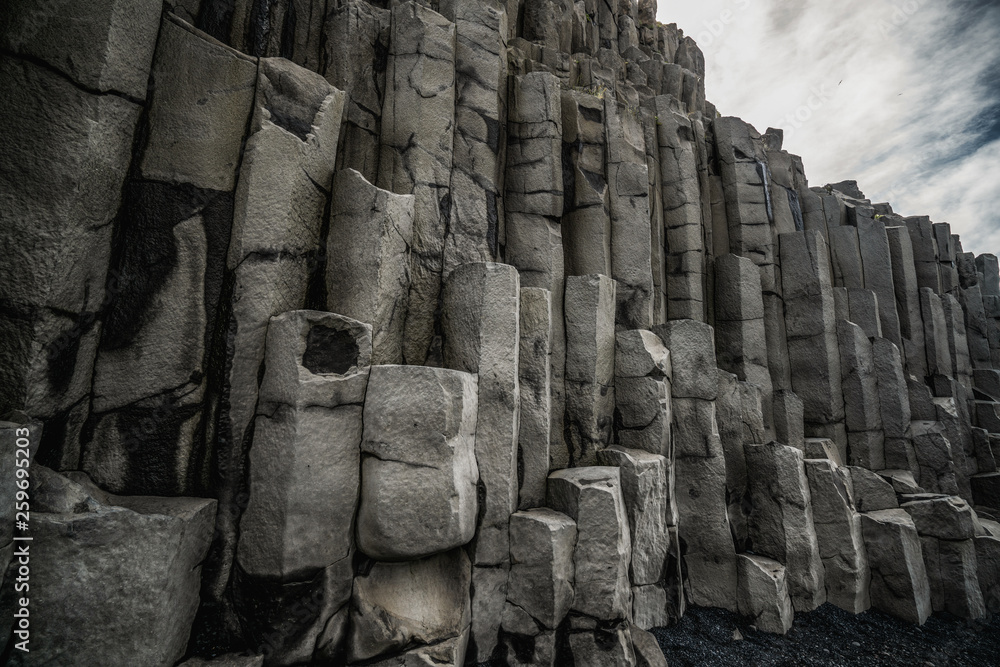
(382, 332)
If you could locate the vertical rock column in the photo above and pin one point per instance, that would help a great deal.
(876, 256)
(368, 260)
(989, 276)
(977, 329)
(418, 128)
(592, 496)
(586, 210)
(907, 293)
(645, 486)
(939, 367)
(899, 578)
(73, 79)
(657, 233)
(642, 392)
(296, 541)
(357, 40)
(947, 527)
(417, 508)
(781, 523)
(590, 369)
(533, 206)
(700, 469)
(740, 333)
(280, 206)
(682, 215)
(476, 221)
(863, 417)
(838, 533)
(535, 378)
(628, 187)
(542, 542)
(750, 216)
(894, 404)
(925, 252)
(813, 353)
(160, 334)
(481, 305)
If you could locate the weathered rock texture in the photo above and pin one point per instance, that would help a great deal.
(488, 337)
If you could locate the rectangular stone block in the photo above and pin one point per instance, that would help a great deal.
(592, 496)
(368, 260)
(419, 473)
(763, 593)
(534, 372)
(781, 523)
(590, 364)
(953, 576)
(645, 487)
(480, 326)
(541, 573)
(417, 146)
(907, 291)
(899, 585)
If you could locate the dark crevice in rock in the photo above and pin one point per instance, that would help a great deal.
(330, 350)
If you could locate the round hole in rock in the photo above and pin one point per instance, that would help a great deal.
(330, 350)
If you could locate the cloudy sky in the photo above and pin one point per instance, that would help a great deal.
(901, 95)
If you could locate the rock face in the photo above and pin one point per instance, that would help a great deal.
(368, 257)
(145, 552)
(763, 594)
(419, 435)
(782, 524)
(418, 126)
(839, 535)
(491, 338)
(398, 605)
(592, 497)
(304, 473)
(899, 578)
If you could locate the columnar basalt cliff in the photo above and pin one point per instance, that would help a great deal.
(360, 332)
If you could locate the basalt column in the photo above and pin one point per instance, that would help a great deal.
(481, 321)
(73, 78)
(418, 127)
(533, 206)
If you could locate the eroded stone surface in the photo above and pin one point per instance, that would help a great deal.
(418, 473)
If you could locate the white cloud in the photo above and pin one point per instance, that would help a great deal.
(888, 93)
